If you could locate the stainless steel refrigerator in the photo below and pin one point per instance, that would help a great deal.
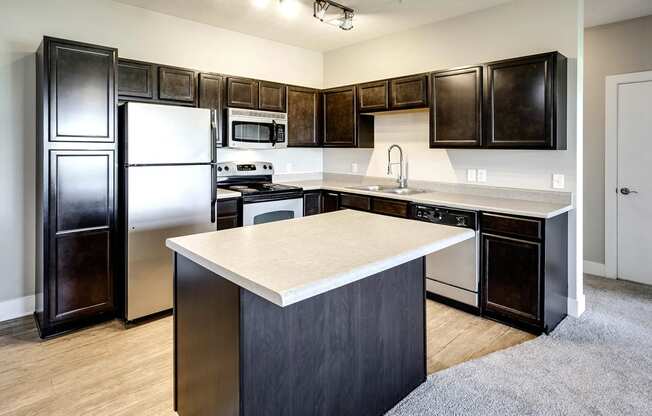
(168, 177)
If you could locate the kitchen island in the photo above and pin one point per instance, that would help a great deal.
(316, 315)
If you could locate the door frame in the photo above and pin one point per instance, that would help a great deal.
(611, 166)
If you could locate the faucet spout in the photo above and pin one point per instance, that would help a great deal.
(402, 180)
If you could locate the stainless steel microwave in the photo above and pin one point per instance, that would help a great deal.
(253, 129)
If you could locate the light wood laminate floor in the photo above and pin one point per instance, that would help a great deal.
(107, 370)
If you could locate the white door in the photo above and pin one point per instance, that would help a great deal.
(634, 200)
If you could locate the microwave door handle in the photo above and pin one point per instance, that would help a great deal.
(274, 138)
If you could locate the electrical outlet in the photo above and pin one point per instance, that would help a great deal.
(471, 175)
(288, 167)
(482, 175)
(354, 168)
(558, 181)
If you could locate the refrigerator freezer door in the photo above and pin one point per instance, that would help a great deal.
(164, 134)
(163, 202)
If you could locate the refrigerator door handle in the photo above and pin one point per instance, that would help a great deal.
(213, 185)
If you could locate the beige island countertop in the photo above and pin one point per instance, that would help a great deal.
(288, 261)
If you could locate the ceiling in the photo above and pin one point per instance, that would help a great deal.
(600, 12)
(293, 23)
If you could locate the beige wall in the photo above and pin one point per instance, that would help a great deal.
(138, 34)
(513, 29)
(616, 48)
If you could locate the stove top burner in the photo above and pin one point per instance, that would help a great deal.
(260, 188)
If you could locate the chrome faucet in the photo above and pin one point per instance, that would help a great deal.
(402, 180)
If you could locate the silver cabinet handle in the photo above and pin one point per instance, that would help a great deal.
(627, 191)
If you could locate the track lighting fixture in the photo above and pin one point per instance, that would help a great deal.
(344, 21)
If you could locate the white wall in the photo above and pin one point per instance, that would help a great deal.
(514, 29)
(138, 34)
(612, 49)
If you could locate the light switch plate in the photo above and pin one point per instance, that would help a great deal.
(354, 168)
(558, 181)
(482, 175)
(471, 175)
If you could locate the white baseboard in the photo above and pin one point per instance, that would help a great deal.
(576, 307)
(596, 269)
(15, 308)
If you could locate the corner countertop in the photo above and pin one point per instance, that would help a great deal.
(226, 194)
(460, 200)
(288, 261)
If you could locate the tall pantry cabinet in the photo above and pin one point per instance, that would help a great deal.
(76, 170)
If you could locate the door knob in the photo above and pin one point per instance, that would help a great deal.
(627, 191)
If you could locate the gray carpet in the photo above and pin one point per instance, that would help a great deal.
(599, 364)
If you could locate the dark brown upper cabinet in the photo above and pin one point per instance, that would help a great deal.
(340, 117)
(456, 108)
(242, 93)
(271, 96)
(525, 102)
(210, 96)
(136, 79)
(303, 106)
(177, 84)
(409, 92)
(82, 93)
(373, 96)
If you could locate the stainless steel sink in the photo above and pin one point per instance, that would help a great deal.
(372, 188)
(403, 191)
(388, 189)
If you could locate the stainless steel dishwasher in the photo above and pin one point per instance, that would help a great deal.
(452, 273)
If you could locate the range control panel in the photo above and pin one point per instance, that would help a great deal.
(445, 216)
(244, 169)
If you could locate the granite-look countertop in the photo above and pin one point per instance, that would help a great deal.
(463, 200)
(226, 194)
(288, 261)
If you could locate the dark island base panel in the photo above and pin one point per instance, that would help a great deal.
(356, 350)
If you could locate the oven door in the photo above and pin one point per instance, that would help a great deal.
(248, 134)
(269, 211)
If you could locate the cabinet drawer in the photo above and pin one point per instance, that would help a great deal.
(524, 227)
(227, 207)
(355, 202)
(390, 207)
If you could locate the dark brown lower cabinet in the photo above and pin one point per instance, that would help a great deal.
(525, 273)
(228, 213)
(330, 201)
(311, 203)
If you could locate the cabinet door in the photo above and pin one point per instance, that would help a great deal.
(339, 117)
(456, 108)
(82, 93)
(373, 96)
(303, 117)
(135, 79)
(519, 103)
(311, 203)
(81, 224)
(176, 84)
(330, 201)
(512, 277)
(271, 96)
(242, 93)
(409, 92)
(210, 96)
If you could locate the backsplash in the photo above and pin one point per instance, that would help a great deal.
(530, 169)
(286, 161)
